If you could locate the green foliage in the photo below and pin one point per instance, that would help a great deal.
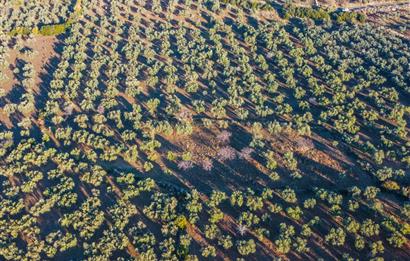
(246, 247)
(349, 17)
(305, 12)
(209, 251)
(320, 14)
(48, 30)
(336, 237)
(252, 5)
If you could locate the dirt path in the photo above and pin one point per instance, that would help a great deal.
(379, 7)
